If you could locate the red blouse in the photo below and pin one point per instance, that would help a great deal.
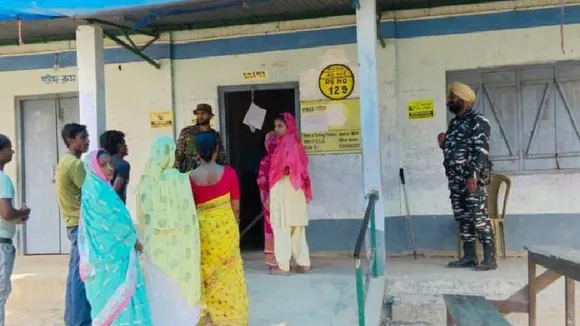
(228, 183)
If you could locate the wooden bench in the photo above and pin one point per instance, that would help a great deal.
(558, 261)
(470, 310)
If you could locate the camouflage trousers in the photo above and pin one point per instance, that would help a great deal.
(469, 209)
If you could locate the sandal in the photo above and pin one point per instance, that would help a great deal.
(303, 269)
(279, 272)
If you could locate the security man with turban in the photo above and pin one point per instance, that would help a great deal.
(466, 160)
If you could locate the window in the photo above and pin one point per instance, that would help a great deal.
(534, 112)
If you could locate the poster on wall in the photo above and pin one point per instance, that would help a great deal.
(336, 81)
(331, 127)
(421, 109)
(161, 119)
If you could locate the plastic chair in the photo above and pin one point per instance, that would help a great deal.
(497, 218)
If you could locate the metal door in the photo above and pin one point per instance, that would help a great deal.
(67, 111)
(39, 144)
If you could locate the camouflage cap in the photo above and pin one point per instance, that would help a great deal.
(203, 107)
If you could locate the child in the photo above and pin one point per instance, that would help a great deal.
(113, 141)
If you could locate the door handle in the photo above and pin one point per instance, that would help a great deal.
(53, 170)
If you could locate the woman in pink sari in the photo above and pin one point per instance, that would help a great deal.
(290, 192)
(264, 186)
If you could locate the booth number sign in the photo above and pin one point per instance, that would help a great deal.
(336, 82)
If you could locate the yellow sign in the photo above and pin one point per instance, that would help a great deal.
(336, 82)
(421, 109)
(331, 127)
(161, 119)
(255, 75)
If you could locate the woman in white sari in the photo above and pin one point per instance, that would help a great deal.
(169, 224)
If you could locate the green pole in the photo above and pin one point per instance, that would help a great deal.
(374, 243)
(360, 293)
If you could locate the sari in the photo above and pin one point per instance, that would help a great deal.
(224, 285)
(168, 219)
(109, 265)
(264, 186)
(290, 191)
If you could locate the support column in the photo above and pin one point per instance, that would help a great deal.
(91, 80)
(366, 36)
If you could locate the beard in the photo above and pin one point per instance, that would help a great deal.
(454, 107)
(202, 122)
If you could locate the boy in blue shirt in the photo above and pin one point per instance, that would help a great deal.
(113, 141)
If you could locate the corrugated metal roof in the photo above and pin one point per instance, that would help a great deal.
(205, 14)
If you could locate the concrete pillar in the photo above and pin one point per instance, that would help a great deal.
(366, 35)
(91, 80)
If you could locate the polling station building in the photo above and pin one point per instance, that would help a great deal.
(523, 63)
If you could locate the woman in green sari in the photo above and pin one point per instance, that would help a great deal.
(169, 224)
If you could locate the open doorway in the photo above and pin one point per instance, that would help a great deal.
(245, 149)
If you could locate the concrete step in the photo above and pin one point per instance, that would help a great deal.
(429, 309)
(417, 286)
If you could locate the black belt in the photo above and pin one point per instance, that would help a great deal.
(5, 240)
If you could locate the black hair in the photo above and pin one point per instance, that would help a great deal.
(110, 141)
(280, 117)
(101, 152)
(206, 143)
(4, 142)
(71, 130)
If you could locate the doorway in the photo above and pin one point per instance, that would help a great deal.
(245, 149)
(41, 146)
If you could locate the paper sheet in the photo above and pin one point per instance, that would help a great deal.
(315, 122)
(255, 117)
(335, 113)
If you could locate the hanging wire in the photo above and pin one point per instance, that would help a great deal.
(20, 42)
(252, 94)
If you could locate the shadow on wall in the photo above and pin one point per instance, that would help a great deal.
(439, 232)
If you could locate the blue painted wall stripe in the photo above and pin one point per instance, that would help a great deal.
(486, 22)
(69, 59)
(310, 39)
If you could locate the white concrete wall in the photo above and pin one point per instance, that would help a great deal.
(413, 68)
(422, 74)
(132, 91)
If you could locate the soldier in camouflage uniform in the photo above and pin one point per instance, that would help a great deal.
(465, 150)
(186, 158)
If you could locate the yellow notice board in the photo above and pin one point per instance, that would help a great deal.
(421, 109)
(336, 81)
(161, 119)
(331, 127)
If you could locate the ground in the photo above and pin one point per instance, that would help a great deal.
(325, 297)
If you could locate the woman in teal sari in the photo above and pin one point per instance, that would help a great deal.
(109, 264)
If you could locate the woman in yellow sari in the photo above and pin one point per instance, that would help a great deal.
(217, 196)
(168, 221)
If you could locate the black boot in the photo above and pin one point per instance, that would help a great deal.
(489, 263)
(468, 260)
